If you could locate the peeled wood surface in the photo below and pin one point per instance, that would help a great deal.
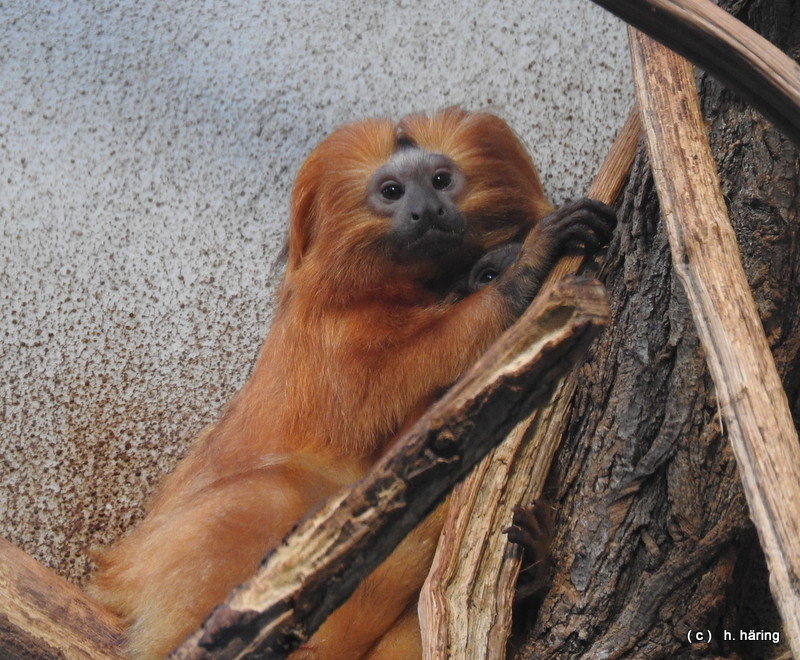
(705, 256)
(466, 603)
(42, 616)
(317, 567)
(716, 41)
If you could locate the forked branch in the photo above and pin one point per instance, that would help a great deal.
(461, 618)
(706, 258)
(317, 567)
(725, 47)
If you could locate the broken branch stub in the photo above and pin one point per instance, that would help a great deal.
(318, 566)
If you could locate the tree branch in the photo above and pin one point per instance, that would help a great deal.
(706, 258)
(44, 616)
(318, 566)
(466, 603)
(725, 47)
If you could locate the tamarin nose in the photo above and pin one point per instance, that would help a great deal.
(416, 216)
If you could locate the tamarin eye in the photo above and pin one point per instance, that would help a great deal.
(441, 180)
(392, 191)
(488, 275)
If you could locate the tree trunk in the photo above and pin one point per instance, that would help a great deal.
(653, 543)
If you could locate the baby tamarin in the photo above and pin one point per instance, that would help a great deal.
(398, 277)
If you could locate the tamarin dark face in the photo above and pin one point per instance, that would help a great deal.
(419, 191)
(384, 215)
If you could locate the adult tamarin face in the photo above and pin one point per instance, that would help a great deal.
(412, 246)
(418, 192)
(419, 200)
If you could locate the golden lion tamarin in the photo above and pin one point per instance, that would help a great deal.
(405, 261)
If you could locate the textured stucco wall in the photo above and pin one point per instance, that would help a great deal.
(147, 150)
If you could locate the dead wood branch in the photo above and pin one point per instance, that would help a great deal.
(466, 603)
(726, 48)
(706, 258)
(318, 566)
(43, 616)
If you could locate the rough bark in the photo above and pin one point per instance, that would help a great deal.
(705, 256)
(738, 56)
(652, 536)
(319, 564)
(465, 605)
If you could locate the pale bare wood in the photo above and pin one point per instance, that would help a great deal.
(318, 566)
(610, 178)
(43, 616)
(725, 47)
(466, 602)
(706, 258)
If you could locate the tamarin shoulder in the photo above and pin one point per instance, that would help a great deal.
(411, 247)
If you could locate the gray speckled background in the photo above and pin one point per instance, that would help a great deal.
(147, 150)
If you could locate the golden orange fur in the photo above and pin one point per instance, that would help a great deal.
(359, 346)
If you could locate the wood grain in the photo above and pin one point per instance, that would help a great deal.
(42, 616)
(318, 566)
(466, 603)
(729, 50)
(706, 258)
